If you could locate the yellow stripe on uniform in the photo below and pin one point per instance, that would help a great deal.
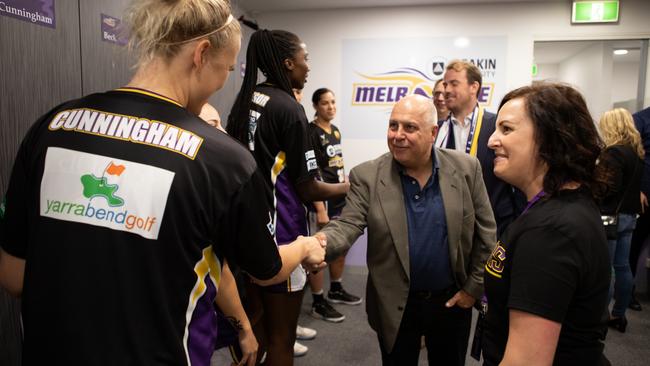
(477, 132)
(208, 265)
(492, 272)
(278, 166)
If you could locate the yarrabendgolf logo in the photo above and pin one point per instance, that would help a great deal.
(99, 187)
(102, 191)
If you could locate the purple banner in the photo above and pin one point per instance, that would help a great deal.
(111, 30)
(39, 12)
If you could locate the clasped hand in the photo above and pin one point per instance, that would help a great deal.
(315, 252)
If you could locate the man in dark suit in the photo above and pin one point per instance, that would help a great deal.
(468, 128)
(642, 230)
(430, 231)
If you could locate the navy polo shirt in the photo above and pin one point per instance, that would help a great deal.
(430, 266)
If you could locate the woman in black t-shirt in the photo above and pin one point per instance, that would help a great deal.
(548, 277)
(267, 118)
(622, 158)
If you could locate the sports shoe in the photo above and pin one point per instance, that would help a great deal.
(342, 297)
(299, 349)
(304, 333)
(325, 311)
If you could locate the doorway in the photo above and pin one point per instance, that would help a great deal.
(609, 74)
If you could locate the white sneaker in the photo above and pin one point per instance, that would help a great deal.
(304, 333)
(299, 350)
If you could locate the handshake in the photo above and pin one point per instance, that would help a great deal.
(313, 251)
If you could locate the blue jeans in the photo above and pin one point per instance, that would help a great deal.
(619, 254)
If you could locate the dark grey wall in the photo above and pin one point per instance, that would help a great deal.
(104, 65)
(39, 68)
(42, 67)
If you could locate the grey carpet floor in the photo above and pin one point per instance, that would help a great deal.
(352, 342)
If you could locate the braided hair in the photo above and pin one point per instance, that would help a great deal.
(267, 50)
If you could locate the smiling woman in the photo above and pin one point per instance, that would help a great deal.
(548, 277)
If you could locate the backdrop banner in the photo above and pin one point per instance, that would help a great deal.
(378, 72)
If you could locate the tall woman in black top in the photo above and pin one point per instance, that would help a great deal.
(547, 280)
(273, 125)
(622, 158)
(161, 201)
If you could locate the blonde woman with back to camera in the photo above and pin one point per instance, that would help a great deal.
(123, 207)
(622, 159)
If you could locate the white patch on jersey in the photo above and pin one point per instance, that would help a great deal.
(310, 155)
(253, 116)
(312, 164)
(331, 151)
(270, 225)
(104, 191)
(260, 99)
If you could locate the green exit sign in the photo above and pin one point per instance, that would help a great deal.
(595, 12)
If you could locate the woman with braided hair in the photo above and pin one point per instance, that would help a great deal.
(267, 118)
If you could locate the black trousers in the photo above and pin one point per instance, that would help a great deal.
(446, 332)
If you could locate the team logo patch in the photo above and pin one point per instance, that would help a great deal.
(312, 164)
(331, 151)
(270, 225)
(324, 140)
(103, 191)
(337, 135)
(495, 263)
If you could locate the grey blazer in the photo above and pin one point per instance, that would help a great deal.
(376, 202)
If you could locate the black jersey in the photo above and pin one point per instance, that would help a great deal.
(279, 141)
(329, 155)
(124, 206)
(552, 262)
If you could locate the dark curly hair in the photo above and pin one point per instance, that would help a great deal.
(565, 134)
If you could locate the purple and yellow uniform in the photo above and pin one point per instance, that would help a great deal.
(124, 206)
(278, 138)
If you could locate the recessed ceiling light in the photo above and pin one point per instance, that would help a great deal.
(620, 52)
(461, 42)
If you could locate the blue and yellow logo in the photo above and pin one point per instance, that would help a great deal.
(389, 87)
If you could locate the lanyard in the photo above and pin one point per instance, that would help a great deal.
(535, 199)
(472, 139)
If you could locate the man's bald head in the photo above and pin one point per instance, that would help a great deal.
(418, 105)
(412, 130)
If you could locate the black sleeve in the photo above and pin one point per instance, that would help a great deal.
(321, 155)
(247, 231)
(14, 212)
(19, 200)
(545, 273)
(300, 157)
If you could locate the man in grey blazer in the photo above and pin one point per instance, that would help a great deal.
(430, 231)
